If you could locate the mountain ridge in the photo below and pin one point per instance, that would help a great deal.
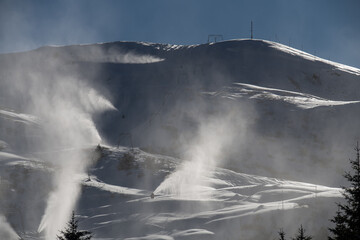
(251, 106)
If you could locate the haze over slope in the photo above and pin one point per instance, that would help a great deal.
(249, 106)
(163, 92)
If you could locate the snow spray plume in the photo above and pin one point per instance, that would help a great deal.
(207, 150)
(6, 232)
(114, 55)
(69, 126)
(65, 105)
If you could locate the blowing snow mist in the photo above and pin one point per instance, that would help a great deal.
(64, 105)
(70, 126)
(204, 154)
(6, 232)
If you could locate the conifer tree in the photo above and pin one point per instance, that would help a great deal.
(340, 230)
(347, 219)
(281, 234)
(301, 235)
(72, 232)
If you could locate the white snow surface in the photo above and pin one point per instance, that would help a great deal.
(308, 56)
(158, 93)
(234, 198)
(116, 204)
(301, 100)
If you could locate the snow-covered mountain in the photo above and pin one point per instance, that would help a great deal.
(227, 113)
(116, 201)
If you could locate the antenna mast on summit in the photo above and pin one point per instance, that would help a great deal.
(215, 37)
(252, 30)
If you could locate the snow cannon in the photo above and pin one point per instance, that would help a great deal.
(152, 195)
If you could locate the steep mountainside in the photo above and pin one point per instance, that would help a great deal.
(295, 108)
(230, 111)
(116, 203)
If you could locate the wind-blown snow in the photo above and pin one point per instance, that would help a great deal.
(119, 57)
(21, 117)
(150, 96)
(6, 231)
(116, 189)
(310, 57)
(301, 100)
(232, 197)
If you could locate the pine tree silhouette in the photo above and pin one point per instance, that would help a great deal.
(72, 232)
(347, 219)
(281, 234)
(301, 235)
(340, 231)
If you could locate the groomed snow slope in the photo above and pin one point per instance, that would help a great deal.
(115, 202)
(289, 115)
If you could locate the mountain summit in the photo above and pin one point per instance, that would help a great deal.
(195, 125)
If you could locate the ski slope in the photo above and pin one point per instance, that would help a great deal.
(115, 202)
(273, 128)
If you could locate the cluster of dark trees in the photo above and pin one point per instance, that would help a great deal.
(299, 236)
(347, 218)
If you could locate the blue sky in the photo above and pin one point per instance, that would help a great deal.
(328, 28)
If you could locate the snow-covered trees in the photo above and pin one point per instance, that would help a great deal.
(347, 219)
(72, 232)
